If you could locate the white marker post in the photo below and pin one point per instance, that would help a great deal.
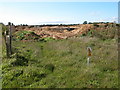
(89, 51)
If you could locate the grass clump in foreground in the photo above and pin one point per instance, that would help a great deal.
(62, 64)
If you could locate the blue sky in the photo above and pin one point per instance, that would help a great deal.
(57, 12)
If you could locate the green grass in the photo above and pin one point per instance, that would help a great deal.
(61, 64)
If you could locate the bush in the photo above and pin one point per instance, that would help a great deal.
(25, 35)
(85, 22)
(104, 34)
(95, 24)
(50, 67)
(4, 28)
(20, 61)
(90, 33)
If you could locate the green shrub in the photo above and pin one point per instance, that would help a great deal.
(95, 24)
(25, 35)
(20, 61)
(85, 22)
(105, 33)
(93, 83)
(50, 67)
(4, 28)
(90, 33)
(83, 34)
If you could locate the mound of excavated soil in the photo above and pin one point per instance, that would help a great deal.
(62, 32)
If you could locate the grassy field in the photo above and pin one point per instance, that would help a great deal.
(61, 64)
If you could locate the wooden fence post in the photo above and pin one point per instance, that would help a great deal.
(89, 51)
(8, 46)
(10, 34)
(9, 41)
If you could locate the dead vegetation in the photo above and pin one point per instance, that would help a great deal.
(64, 32)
